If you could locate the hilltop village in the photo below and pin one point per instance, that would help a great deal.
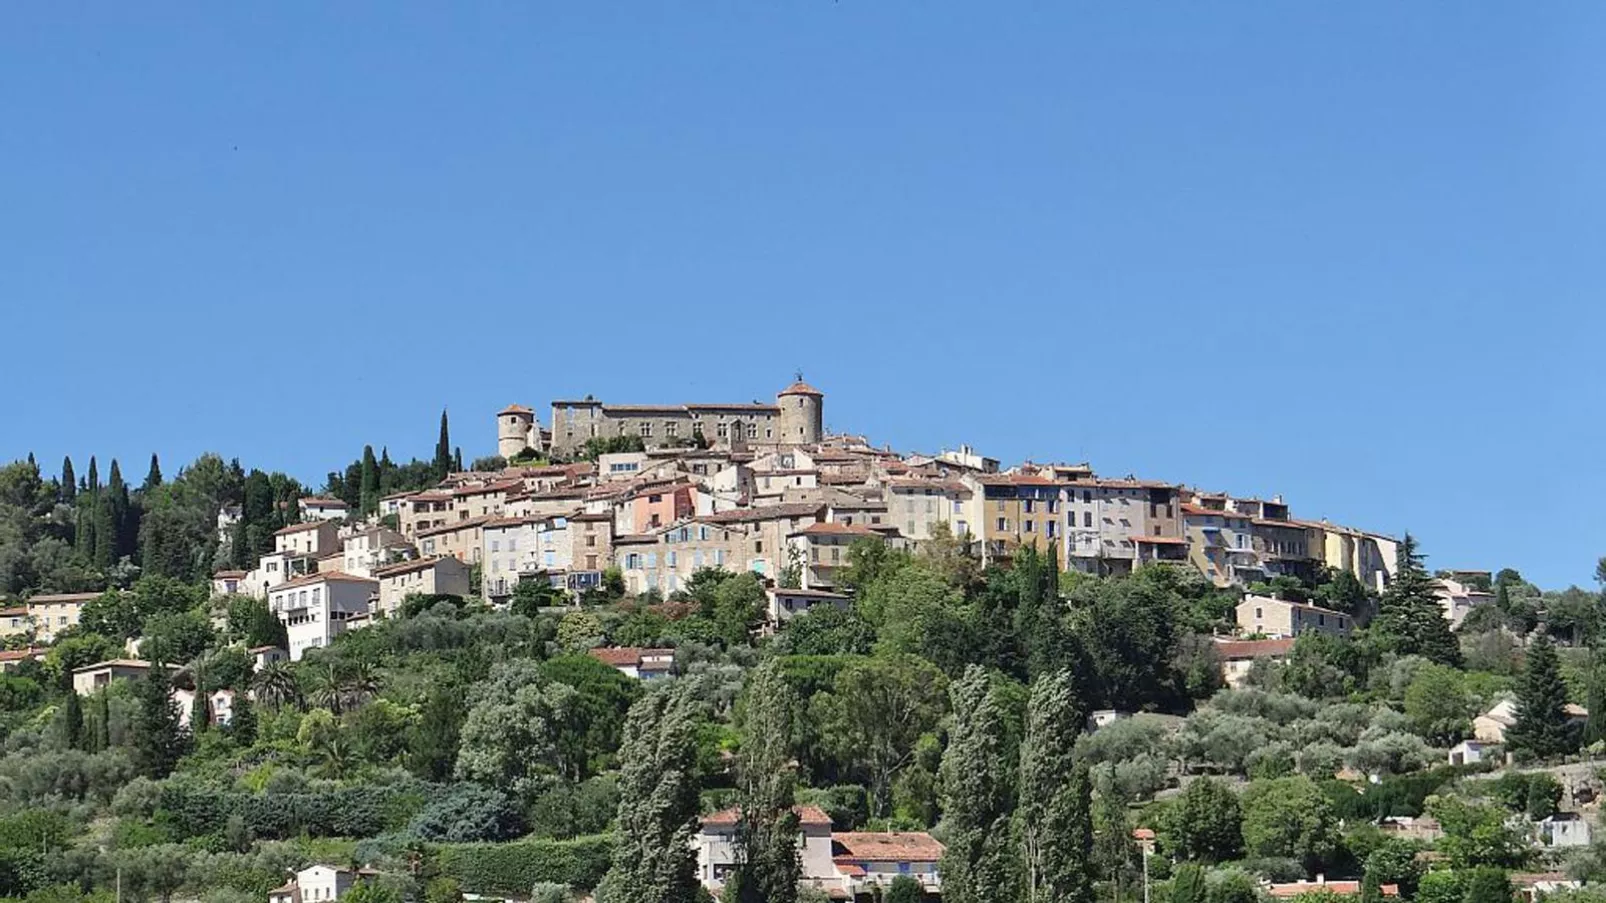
(714, 650)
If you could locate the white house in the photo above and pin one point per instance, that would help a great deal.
(1469, 751)
(633, 661)
(315, 608)
(220, 704)
(89, 678)
(319, 884)
(787, 603)
(717, 853)
(320, 508)
(371, 548)
(1274, 617)
(867, 860)
(1564, 829)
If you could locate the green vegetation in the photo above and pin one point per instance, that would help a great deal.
(461, 749)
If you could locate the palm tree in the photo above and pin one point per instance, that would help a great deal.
(327, 690)
(361, 684)
(276, 685)
(335, 757)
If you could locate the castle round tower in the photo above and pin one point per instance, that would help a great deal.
(802, 413)
(515, 430)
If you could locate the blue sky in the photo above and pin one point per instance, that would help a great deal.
(1350, 253)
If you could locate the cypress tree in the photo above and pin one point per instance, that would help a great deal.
(1595, 726)
(1055, 817)
(443, 451)
(654, 860)
(200, 712)
(153, 477)
(369, 490)
(105, 520)
(124, 517)
(72, 721)
(243, 721)
(103, 721)
(457, 460)
(767, 829)
(69, 482)
(94, 476)
(159, 741)
(976, 798)
(387, 476)
(1410, 617)
(1541, 730)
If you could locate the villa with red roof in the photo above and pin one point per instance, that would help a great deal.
(844, 864)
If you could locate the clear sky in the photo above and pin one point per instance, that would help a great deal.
(1351, 253)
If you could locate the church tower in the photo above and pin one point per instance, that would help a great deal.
(802, 413)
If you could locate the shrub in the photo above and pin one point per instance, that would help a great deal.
(513, 868)
(467, 814)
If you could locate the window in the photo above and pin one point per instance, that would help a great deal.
(1087, 518)
(646, 429)
(1003, 524)
(669, 559)
(1026, 526)
(317, 593)
(671, 429)
(752, 431)
(758, 545)
(1087, 495)
(958, 508)
(1048, 527)
(652, 560)
(654, 499)
(722, 431)
(496, 546)
(512, 544)
(1028, 508)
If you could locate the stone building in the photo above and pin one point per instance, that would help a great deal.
(796, 418)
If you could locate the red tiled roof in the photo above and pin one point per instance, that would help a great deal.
(321, 501)
(1241, 649)
(618, 656)
(1341, 888)
(1161, 540)
(457, 525)
(17, 655)
(326, 576)
(807, 815)
(17, 612)
(61, 597)
(835, 530)
(885, 846)
(224, 575)
(763, 512)
(515, 409)
(298, 528)
(407, 567)
(800, 388)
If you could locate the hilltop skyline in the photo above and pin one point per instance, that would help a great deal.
(1342, 254)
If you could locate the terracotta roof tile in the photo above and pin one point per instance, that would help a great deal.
(885, 846)
(800, 388)
(408, 567)
(808, 815)
(329, 577)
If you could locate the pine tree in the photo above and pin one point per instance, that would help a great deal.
(767, 830)
(654, 860)
(72, 722)
(153, 477)
(69, 482)
(1541, 730)
(443, 451)
(1055, 818)
(433, 740)
(159, 741)
(369, 495)
(976, 800)
(1409, 617)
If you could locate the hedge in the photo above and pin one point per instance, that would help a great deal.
(190, 810)
(515, 868)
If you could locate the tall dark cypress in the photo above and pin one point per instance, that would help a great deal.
(386, 472)
(369, 495)
(69, 481)
(72, 722)
(443, 450)
(94, 476)
(457, 460)
(153, 477)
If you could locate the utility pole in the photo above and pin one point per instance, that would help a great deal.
(1145, 848)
